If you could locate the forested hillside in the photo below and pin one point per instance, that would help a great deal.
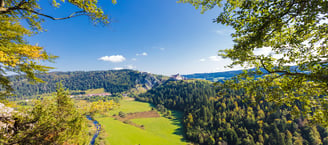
(113, 81)
(230, 119)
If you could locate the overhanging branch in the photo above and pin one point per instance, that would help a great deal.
(4, 10)
(20, 6)
(280, 71)
(75, 14)
(317, 77)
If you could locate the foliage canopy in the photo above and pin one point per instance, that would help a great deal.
(54, 120)
(16, 54)
(211, 119)
(295, 72)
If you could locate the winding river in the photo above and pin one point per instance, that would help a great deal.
(96, 123)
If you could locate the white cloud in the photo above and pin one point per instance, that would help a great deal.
(142, 54)
(130, 67)
(134, 59)
(267, 51)
(125, 67)
(215, 58)
(219, 32)
(323, 20)
(263, 51)
(211, 58)
(113, 58)
(225, 31)
(118, 68)
(222, 68)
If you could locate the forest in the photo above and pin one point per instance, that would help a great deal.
(113, 81)
(231, 119)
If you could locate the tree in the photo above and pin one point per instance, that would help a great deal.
(314, 136)
(231, 136)
(121, 114)
(295, 72)
(16, 54)
(289, 138)
(54, 120)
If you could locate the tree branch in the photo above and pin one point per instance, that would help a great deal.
(4, 10)
(317, 77)
(75, 14)
(280, 71)
(2, 3)
(19, 6)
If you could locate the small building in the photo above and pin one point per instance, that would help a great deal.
(177, 77)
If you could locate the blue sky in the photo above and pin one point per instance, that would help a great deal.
(161, 37)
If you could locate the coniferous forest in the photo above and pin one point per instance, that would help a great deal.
(230, 119)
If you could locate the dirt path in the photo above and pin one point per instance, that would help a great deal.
(129, 116)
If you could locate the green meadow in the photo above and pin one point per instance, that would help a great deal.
(130, 106)
(95, 91)
(157, 131)
(165, 128)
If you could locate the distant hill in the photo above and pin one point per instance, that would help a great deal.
(113, 81)
(219, 76)
(214, 77)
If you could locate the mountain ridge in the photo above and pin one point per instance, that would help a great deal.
(214, 76)
(113, 81)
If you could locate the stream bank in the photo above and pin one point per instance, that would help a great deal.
(98, 126)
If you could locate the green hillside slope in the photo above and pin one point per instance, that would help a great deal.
(113, 81)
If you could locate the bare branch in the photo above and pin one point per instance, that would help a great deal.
(4, 10)
(19, 6)
(287, 73)
(75, 14)
(2, 3)
(281, 71)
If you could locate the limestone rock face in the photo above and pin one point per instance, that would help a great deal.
(148, 81)
(6, 121)
(5, 111)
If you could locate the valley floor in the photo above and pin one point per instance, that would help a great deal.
(145, 127)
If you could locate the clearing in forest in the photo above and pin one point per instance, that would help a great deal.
(141, 125)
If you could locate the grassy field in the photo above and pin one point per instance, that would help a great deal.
(128, 106)
(157, 131)
(95, 91)
(169, 129)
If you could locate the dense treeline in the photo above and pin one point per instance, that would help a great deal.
(230, 119)
(112, 81)
(180, 94)
(116, 97)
